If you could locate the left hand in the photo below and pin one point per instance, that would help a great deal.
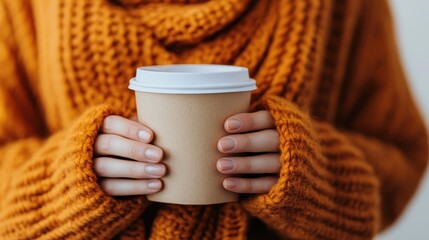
(250, 133)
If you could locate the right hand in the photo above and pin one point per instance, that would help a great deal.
(125, 162)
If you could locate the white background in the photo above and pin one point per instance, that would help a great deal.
(412, 28)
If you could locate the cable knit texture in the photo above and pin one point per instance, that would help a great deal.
(353, 144)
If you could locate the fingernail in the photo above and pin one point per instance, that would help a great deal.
(227, 144)
(154, 185)
(226, 164)
(230, 184)
(152, 154)
(143, 135)
(233, 124)
(155, 170)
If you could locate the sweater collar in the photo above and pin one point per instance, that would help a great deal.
(134, 3)
(185, 22)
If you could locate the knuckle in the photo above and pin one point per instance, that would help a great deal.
(279, 168)
(267, 116)
(107, 187)
(107, 123)
(278, 162)
(139, 188)
(276, 137)
(247, 186)
(99, 166)
(251, 121)
(135, 151)
(247, 120)
(104, 142)
(270, 183)
(135, 188)
(132, 170)
(246, 165)
(135, 170)
(246, 142)
(131, 130)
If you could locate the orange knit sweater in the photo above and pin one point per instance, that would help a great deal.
(353, 145)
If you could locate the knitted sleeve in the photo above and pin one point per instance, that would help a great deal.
(47, 185)
(350, 179)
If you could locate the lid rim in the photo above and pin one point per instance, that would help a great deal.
(191, 91)
(252, 82)
(161, 69)
(192, 79)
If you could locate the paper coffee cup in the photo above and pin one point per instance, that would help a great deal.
(186, 106)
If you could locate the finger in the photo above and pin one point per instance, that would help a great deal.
(264, 163)
(114, 145)
(261, 141)
(126, 187)
(250, 185)
(127, 128)
(117, 168)
(248, 122)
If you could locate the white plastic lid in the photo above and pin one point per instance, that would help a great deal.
(192, 79)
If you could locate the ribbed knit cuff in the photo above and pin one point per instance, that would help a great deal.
(55, 194)
(326, 189)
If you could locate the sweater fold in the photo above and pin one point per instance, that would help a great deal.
(324, 180)
(53, 193)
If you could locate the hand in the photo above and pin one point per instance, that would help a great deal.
(253, 133)
(125, 161)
